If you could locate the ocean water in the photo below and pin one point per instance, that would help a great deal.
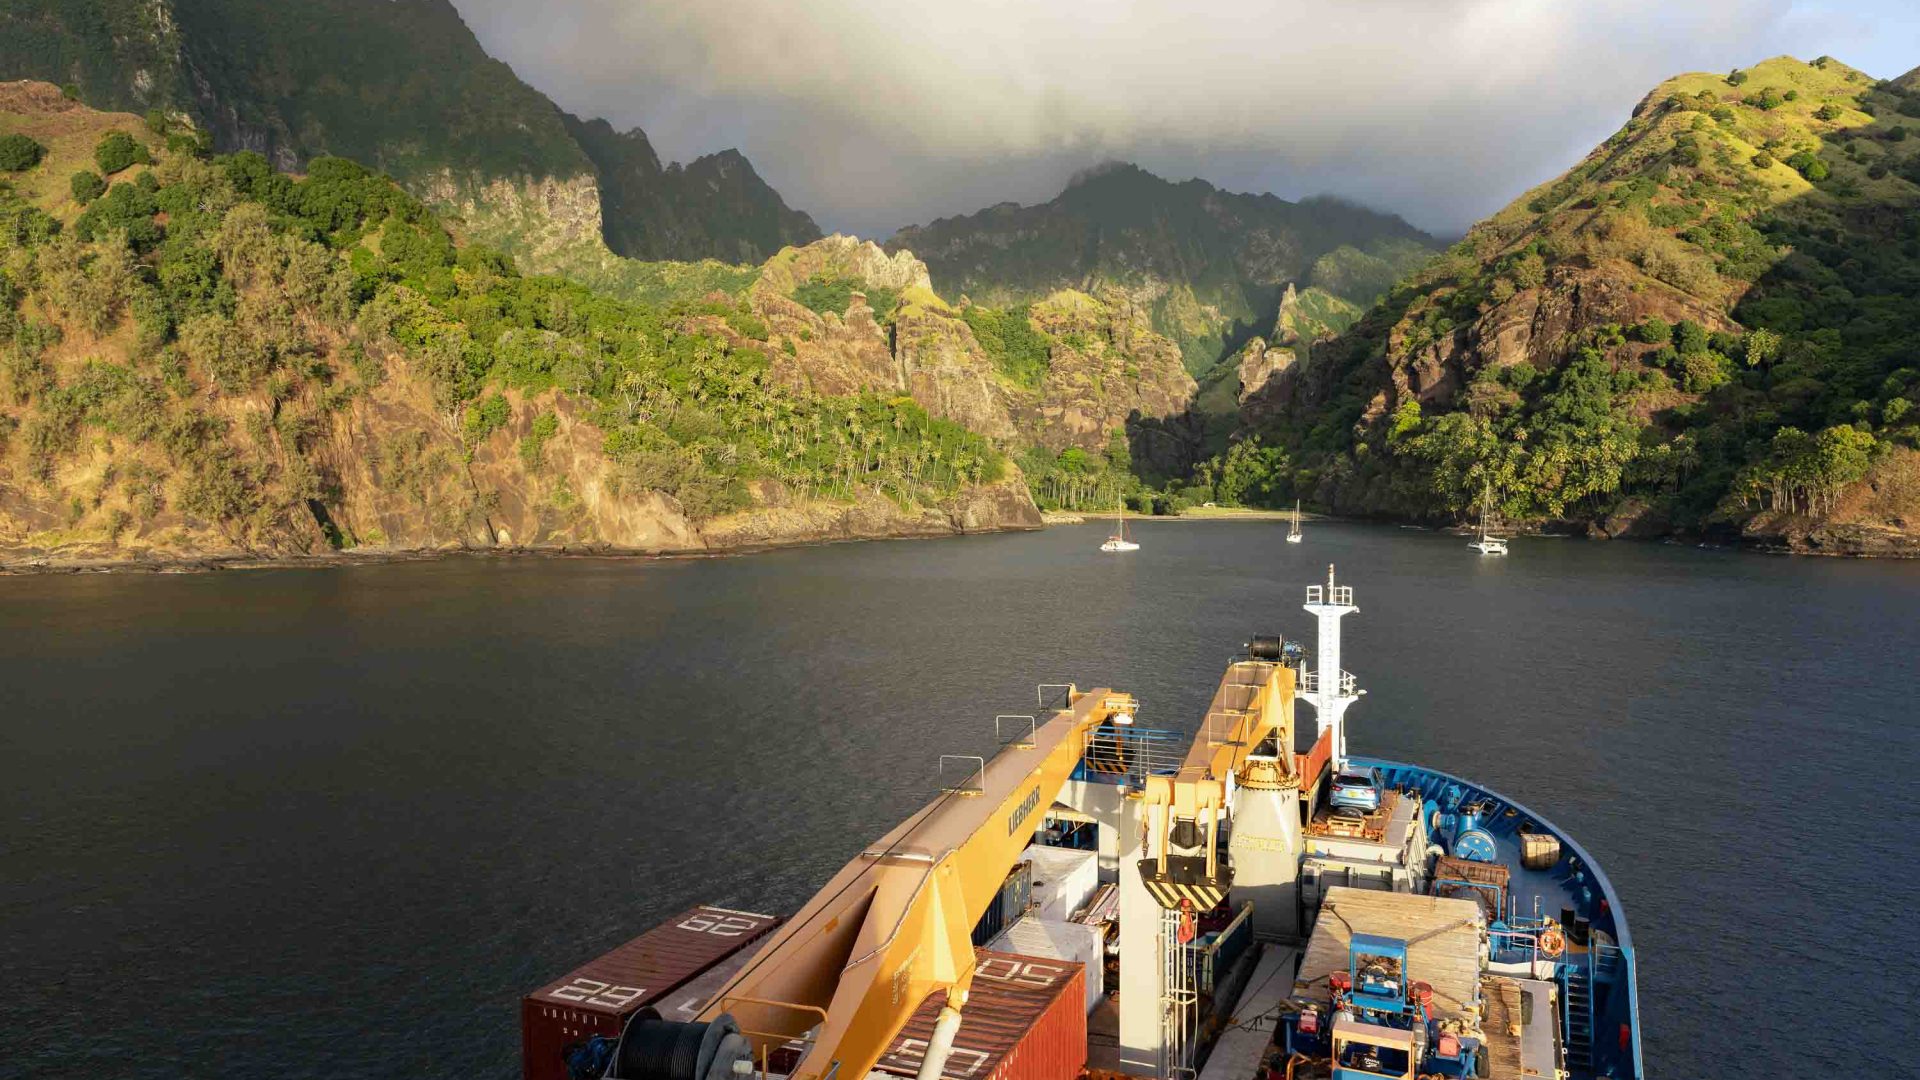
(334, 823)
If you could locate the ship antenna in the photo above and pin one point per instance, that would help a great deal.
(1329, 689)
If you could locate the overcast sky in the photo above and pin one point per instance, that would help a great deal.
(873, 114)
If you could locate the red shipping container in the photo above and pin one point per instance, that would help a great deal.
(1025, 1019)
(598, 997)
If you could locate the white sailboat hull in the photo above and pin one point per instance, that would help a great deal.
(1117, 544)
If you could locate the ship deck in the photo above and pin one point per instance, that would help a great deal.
(1442, 936)
(1502, 1026)
(1573, 883)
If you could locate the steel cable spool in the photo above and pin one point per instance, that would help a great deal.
(683, 1062)
(1265, 647)
(646, 1047)
(656, 1049)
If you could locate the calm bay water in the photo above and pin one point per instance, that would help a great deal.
(334, 823)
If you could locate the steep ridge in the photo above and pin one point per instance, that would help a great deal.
(1209, 266)
(404, 87)
(1706, 326)
(213, 359)
(713, 207)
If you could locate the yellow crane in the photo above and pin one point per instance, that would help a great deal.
(891, 928)
(895, 925)
(1252, 710)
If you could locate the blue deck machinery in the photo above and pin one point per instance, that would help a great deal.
(1379, 1022)
(1556, 989)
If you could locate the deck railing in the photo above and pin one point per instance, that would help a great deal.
(1310, 683)
(1131, 754)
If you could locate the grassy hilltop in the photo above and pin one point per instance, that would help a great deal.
(1709, 324)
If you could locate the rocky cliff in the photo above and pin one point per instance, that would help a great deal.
(714, 207)
(1106, 369)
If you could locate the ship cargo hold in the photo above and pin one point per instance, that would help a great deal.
(598, 997)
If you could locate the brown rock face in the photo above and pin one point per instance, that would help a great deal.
(944, 368)
(1535, 326)
(839, 256)
(1106, 368)
(988, 508)
(832, 353)
(538, 218)
(1260, 364)
(1880, 516)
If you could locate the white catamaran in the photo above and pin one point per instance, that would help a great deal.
(1485, 544)
(1293, 532)
(1118, 541)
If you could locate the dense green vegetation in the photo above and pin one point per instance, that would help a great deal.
(403, 87)
(832, 295)
(86, 186)
(241, 281)
(19, 153)
(1019, 352)
(1691, 206)
(1077, 480)
(117, 152)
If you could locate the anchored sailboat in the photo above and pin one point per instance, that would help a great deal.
(1485, 544)
(1293, 532)
(1118, 541)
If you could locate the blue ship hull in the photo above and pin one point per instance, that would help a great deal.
(1597, 979)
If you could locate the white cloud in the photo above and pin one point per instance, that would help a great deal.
(874, 114)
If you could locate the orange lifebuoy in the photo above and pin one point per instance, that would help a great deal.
(1189, 925)
(1552, 942)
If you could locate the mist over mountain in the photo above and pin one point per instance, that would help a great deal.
(876, 113)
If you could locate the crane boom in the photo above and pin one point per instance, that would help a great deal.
(895, 924)
(1252, 708)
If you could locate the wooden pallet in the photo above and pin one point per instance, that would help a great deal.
(1372, 828)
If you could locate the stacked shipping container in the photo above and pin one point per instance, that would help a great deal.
(1060, 942)
(597, 998)
(1024, 1020)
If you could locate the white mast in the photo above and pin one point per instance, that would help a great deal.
(1330, 690)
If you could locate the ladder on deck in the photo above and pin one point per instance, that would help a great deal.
(1576, 1012)
(1179, 1000)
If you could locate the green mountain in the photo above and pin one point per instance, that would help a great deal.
(202, 356)
(404, 87)
(1211, 266)
(1706, 326)
(212, 358)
